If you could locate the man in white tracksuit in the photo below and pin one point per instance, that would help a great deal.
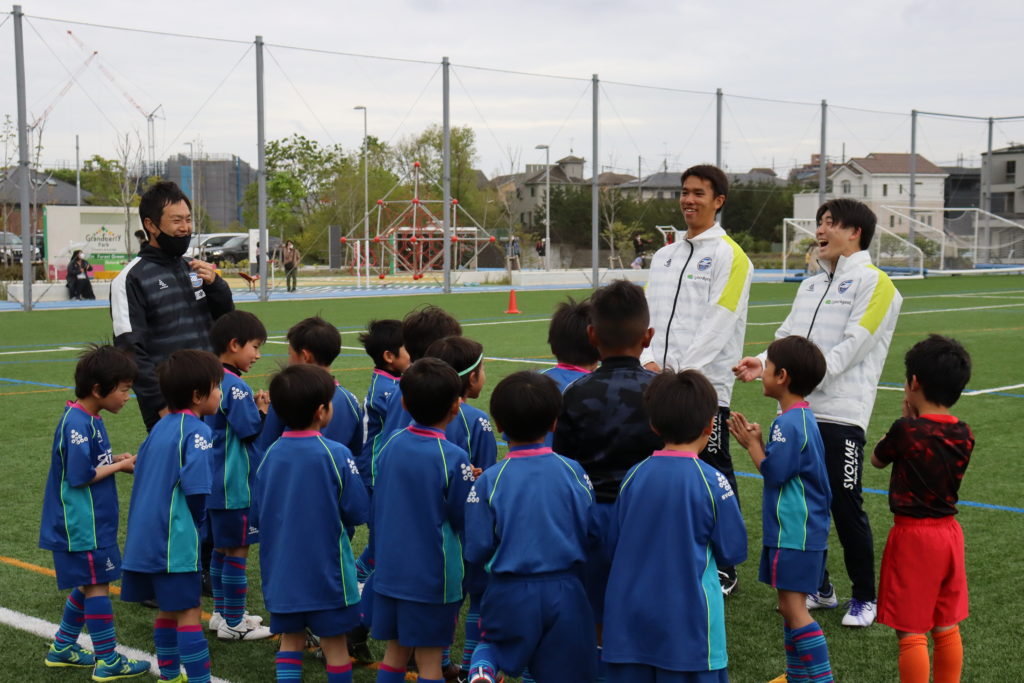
(849, 310)
(697, 293)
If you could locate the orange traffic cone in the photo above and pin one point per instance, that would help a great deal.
(512, 303)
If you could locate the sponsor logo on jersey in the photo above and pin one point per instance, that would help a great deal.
(844, 285)
(353, 468)
(76, 438)
(467, 471)
(723, 484)
(106, 458)
(777, 434)
(472, 497)
(485, 424)
(704, 263)
(197, 281)
(201, 443)
(238, 393)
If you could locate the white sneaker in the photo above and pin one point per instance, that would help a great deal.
(823, 600)
(216, 620)
(245, 630)
(860, 614)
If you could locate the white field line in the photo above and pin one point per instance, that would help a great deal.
(45, 629)
(978, 392)
(969, 308)
(53, 350)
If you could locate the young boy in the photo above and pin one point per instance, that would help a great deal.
(567, 337)
(317, 342)
(309, 579)
(385, 344)
(527, 521)
(420, 486)
(923, 586)
(236, 338)
(676, 516)
(165, 517)
(80, 515)
(795, 502)
(604, 424)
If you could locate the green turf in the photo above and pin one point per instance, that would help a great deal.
(995, 539)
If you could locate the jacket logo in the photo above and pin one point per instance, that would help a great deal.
(810, 287)
(110, 565)
(196, 280)
(163, 285)
(704, 263)
(845, 285)
(668, 263)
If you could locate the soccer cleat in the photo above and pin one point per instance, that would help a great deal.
(245, 630)
(480, 675)
(72, 655)
(729, 580)
(861, 613)
(180, 678)
(779, 679)
(118, 667)
(823, 600)
(216, 619)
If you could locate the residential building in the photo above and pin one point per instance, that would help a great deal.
(523, 193)
(45, 190)
(216, 182)
(963, 187)
(1005, 170)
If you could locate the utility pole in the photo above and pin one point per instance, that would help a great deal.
(23, 167)
(261, 176)
(447, 177)
(595, 218)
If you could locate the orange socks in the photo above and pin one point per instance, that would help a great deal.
(914, 662)
(949, 655)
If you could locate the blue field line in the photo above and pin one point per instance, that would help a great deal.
(35, 384)
(968, 503)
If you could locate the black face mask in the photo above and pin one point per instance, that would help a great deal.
(171, 245)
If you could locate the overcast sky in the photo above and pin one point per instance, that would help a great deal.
(886, 56)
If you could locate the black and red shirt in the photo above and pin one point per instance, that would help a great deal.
(929, 455)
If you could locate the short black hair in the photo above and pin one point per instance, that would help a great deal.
(425, 325)
(298, 390)
(153, 201)
(317, 336)
(525, 405)
(461, 353)
(680, 405)
(942, 367)
(712, 174)
(186, 373)
(567, 333)
(851, 214)
(429, 388)
(619, 314)
(801, 359)
(104, 366)
(242, 326)
(381, 336)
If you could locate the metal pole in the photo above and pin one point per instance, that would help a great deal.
(988, 195)
(23, 167)
(639, 178)
(547, 208)
(718, 127)
(822, 160)
(913, 172)
(78, 175)
(261, 174)
(447, 178)
(595, 218)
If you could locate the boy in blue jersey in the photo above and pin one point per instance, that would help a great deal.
(420, 485)
(309, 577)
(676, 520)
(80, 515)
(384, 344)
(567, 337)
(167, 510)
(795, 502)
(317, 342)
(526, 521)
(236, 338)
(470, 430)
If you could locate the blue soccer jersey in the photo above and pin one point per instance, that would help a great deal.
(797, 498)
(375, 411)
(173, 464)
(529, 514)
(235, 424)
(676, 519)
(77, 515)
(305, 559)
(472, 432)
(420, 486)
(346, 426)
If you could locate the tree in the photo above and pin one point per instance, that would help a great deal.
(101, 177)
(428, 149)
(129, 158)
(757, 208)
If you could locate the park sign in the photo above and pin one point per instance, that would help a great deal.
(99, 231)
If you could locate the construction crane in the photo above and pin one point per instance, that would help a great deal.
(41, 119)
(149, 116)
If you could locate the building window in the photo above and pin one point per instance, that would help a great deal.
(1011, 171)
(846, 187)
(661, 195)
(901, 188)
(865, 189)
(533, 191)
(892, 221)
(928, 218)
(885, 190)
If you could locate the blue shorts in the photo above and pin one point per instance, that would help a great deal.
(540, 622)
(172, 592)
(324, 623)
(642, 673)
(599, 564)
(414, 624)
(87, 567)
(785, 569)
(232, 528)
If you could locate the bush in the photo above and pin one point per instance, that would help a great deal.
(14, 272)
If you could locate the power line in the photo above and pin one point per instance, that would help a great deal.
(301, 98)
(142, 30)
(338, 53)
(522, 73)
(481, 115)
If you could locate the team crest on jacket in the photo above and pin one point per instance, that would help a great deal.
(704, 263)
(196, 281)
(844, 285)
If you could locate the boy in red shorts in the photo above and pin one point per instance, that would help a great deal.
(923, 586)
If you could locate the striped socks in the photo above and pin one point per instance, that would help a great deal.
(71, 621)
(472, 630)
(99, 616)
(216, 571)
(195, 655)
(482, 662)
(794, 670)
(235, 587)
(813, 653)
(165, 637)
(288, 666)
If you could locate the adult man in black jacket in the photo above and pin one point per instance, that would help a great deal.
(161, 302)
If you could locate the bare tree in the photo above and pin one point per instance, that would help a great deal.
(129, 157)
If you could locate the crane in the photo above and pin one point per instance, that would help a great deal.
(149, 116)
(41, 119)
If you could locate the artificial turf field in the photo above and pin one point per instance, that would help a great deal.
(985, 313)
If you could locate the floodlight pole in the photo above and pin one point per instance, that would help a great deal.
(595, 219)
(547, 205)
(718, 127)
(913, 172)
(822, 158)
(261, 175)
(446, 153)
(366, 194)
(23, 167)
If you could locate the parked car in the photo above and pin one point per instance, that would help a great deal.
(237, 249)
(201, 245)
(11, 248)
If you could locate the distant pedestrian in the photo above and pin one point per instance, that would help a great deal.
(78, 283)
(291, 257)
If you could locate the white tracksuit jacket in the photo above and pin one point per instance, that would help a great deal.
(850, 315)
(698, 292)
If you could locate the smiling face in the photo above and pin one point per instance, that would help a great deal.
(699, 204)
(835, 239)
(244, 356)
(176, 221)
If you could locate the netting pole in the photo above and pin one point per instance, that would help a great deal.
(988, 195)
(913, 172)
(447, 175)
(261, 175)
(822, 160)
(718, 127)
(595, 219)
(23, 167)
